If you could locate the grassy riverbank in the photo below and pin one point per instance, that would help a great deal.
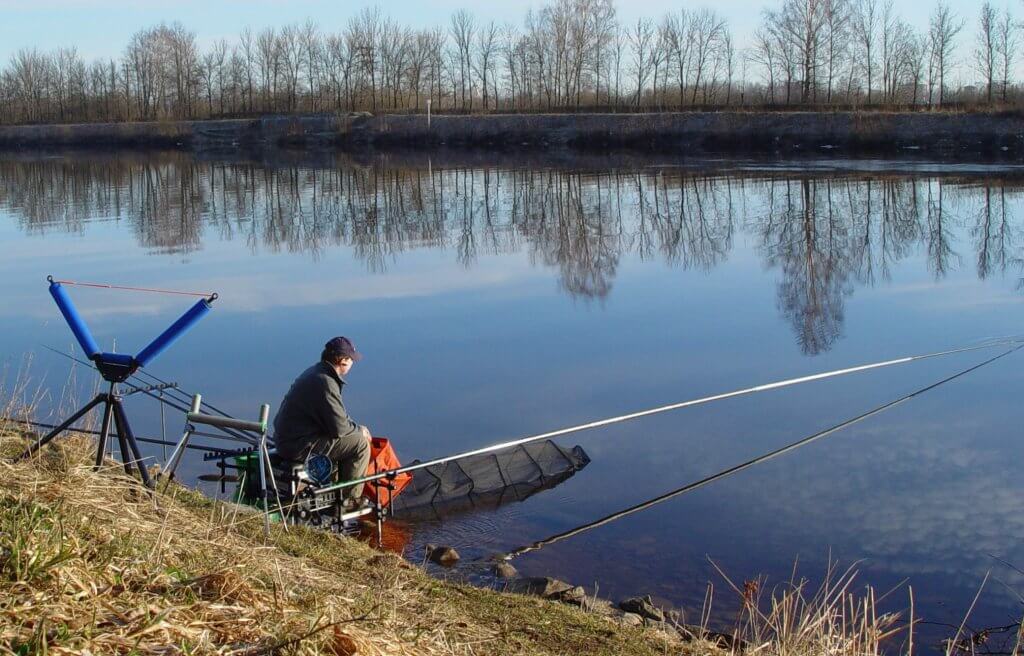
(89, 562)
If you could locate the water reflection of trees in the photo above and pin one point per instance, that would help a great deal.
(824, 235)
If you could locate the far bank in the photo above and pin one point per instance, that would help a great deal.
(947, 135)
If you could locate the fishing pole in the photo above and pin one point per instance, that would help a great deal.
(665, 408)
(583, 528)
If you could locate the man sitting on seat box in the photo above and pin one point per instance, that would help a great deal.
(312, 418)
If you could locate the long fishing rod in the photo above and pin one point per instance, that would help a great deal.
(583, 528)
(665, 408)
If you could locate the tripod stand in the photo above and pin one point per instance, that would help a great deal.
(113, 409)
(115, 368)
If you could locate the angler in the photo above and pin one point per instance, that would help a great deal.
(312, 419)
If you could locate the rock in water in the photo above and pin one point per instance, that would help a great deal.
(644, 607)
(442, 555)
(542, 586)
(504, 571)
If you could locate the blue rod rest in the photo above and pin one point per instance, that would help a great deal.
(75, 321)
(116, 359)
(177, 329)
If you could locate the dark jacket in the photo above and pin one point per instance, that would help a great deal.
(312, 412)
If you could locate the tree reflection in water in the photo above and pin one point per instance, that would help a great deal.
(823, 233)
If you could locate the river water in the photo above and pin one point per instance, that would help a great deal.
(496, 298)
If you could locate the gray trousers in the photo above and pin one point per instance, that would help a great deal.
(352, 456)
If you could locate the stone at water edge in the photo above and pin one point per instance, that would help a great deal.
(631, 619)
(576, 596)
(504, 570)
(541, 586)
(442, 555)
(644, 607)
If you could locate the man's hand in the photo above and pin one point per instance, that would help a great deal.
(366, 432)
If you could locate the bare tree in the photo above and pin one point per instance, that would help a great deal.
(708, 29)
(801, 24)
(269, 65)
(486, 47)
(247, 52)
(641, 40)
(677, 35)
(986, 47)
(764, 53)
(865, 23)
(312, 60)
(837, 20)
(419, 59)
(462, 30)
(363, 35)
(943, 28)
(1006, 46)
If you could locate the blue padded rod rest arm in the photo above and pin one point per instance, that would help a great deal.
(176, 330)
(74, 320)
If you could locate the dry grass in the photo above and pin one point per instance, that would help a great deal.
(828, 620)
(90, 562)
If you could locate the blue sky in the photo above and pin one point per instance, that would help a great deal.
(100, 28)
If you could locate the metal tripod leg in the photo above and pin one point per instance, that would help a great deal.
(104, 431)
(133, 444)
(273, 483)
(27, 453)
(172, 463)
(263, 482)
(126, 457)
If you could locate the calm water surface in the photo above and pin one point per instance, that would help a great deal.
(496, 301)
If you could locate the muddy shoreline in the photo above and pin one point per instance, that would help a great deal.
(945, 135)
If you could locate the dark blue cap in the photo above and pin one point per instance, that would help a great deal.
(342, 347)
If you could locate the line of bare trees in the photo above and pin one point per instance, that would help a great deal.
(570, 55)
(862, 51)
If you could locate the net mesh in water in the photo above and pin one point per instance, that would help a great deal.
(512, 474)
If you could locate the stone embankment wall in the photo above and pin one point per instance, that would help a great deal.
(703, 132)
